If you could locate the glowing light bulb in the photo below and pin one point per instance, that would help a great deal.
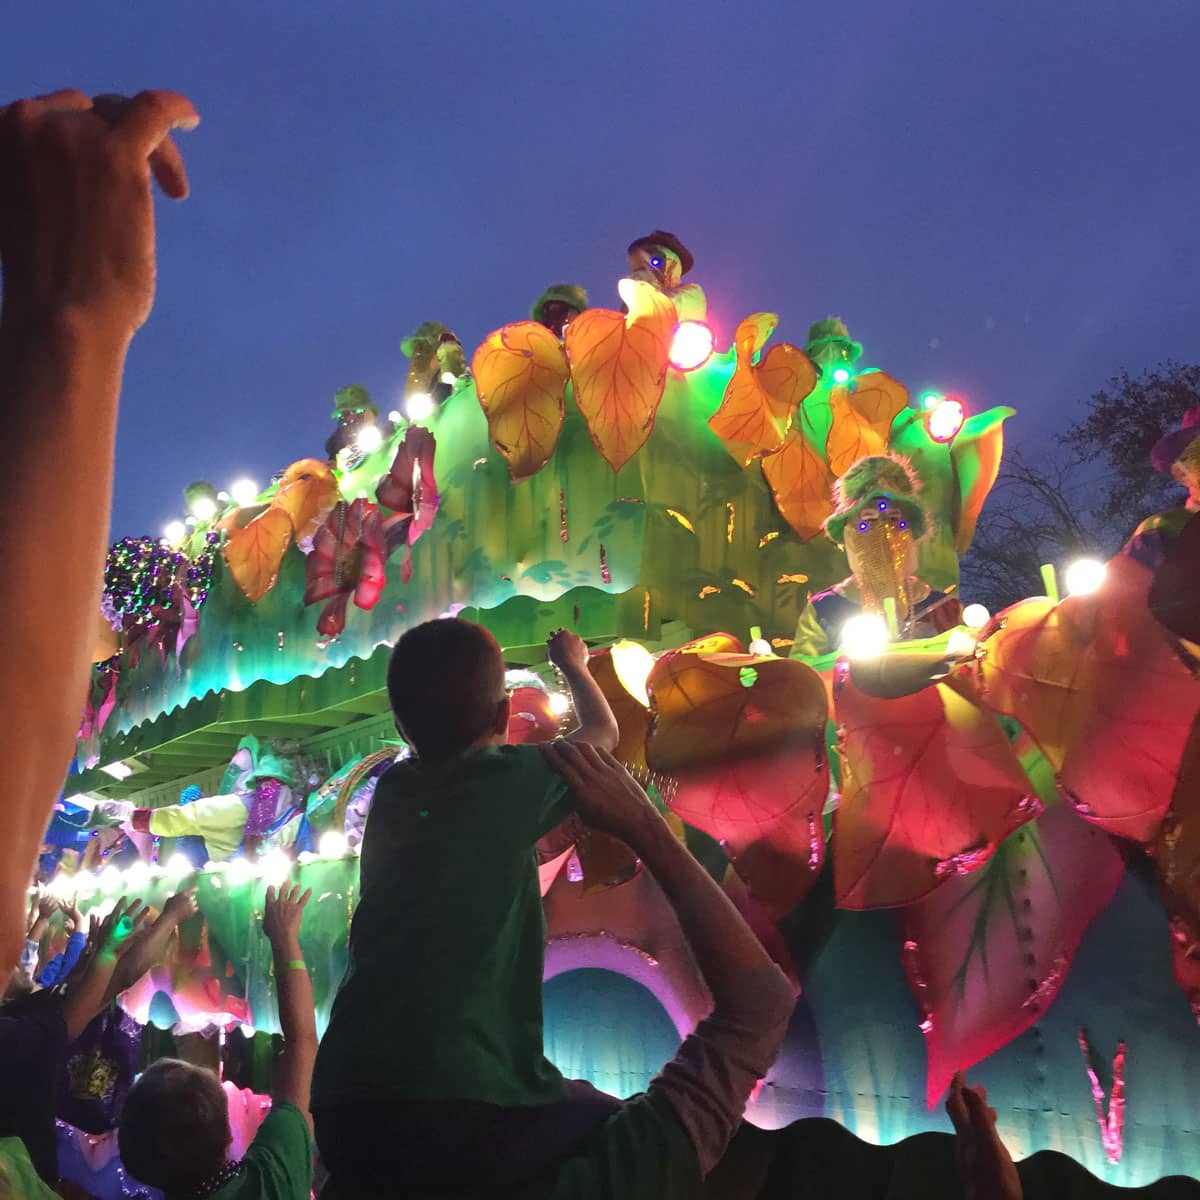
(368, 439)
(841, 375)
(174, 532)
(395, 416)
(204, 508)
(85, 883)
(136, 874)
(179, 865)
(633, 663)
(976, 616)
(761, 646)
(419, 406)
(449, 378)
(930, 399)
(244, 492)
(332, 844)
(1084, 575)
(945, 419)
(240, 870)
(692, 345)
(109, 878)
(274, 867)
(559, 703)
(864, 636)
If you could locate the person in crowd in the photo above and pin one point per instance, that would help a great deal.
(41, 908)
(78, 263)
(174, 1132)
(435, 1078)
(62, 964)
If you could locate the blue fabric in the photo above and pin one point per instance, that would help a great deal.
(60, 966)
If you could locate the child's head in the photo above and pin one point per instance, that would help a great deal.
(174, 1131)
(19, 985)
(446, 684)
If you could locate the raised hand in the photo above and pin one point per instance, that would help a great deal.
(607, 797)
(181, 906)
(984, 1163)
(567, 650)
(76, 215)
(282, 914)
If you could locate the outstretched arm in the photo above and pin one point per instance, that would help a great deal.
(597, 725)
(292, 1079)
(147, 946)
(77, 251)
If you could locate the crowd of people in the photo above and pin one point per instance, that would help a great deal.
(428, 1082)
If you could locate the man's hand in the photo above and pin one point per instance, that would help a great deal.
(607, 797)
(567, 650)
(282, 914)
(47, 905)
(76, 215)
(70, 909)
(180, 906)
(984, 1163)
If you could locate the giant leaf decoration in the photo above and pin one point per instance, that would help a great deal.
(801, 484)
(987, 953)
(930, 788)
(1098, 685)
(530, 717)
(862, 414)
(760, 398)
(521, 378)
(619, 368)
(410, 490)
(254, 552)
(975, 454)
(307, 492)
(633, 718)
(713, 709)
(766, 813)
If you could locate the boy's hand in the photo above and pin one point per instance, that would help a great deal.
(47, 906)
(607, 797)
(567, 650)
(282, 914)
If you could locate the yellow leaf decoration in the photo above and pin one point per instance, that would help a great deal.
(307, 493)
(253, 553)
(760, 398)
(862, 418)
(619, 368)
(801, 484)
(521, 378)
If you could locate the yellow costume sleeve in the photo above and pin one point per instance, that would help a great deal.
(219, 820)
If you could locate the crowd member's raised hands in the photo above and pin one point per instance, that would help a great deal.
(985, 1166)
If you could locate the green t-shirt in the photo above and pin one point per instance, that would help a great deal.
(278, 1163)
(442, 998)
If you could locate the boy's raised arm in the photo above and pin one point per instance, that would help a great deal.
(292, 1079)
(597, 725)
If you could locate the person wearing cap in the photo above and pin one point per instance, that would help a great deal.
(830, 345)
(1176, 454)
(558, 305)
(879, 520)
(352, 409)
(661, 259)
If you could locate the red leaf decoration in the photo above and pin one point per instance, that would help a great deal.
(930, 788)
(760, 399)
(619, 368)
(801, 484)
(254, 552)
(530, 718)
(987, 953)
(347, 560)
(410, 488)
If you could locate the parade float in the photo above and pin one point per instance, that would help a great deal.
(970, 839)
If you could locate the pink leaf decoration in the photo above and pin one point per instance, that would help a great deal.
(987, 953)
(410, 487)
(931, 787)
(347, 560)
(766, 813)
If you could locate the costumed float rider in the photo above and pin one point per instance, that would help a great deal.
(436, 361)
(879, 520)
(830, 345)
(662, 259)
(1175, 454)
(558, 306)
(255, 805)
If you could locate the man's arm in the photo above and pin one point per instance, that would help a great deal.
(292, 1079)
(710, 1079)
(77, 251)
(147, 947)
(597, 725)
(87, 986)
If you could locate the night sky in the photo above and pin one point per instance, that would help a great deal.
(1002, 203)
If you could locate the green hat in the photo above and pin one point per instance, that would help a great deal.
(829, 342)
(271, 766)
(350, 400)
(570, 294)
(869, 480)
(199, 491)
(429, 332)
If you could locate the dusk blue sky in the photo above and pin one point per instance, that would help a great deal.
(1000, 199)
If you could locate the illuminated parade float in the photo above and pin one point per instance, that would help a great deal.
(972, 840)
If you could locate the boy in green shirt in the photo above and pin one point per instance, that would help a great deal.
(431, 1076)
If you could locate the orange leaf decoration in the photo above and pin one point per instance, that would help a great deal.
(801, 484)
(712, 709)
(253, 553)
(862, 418)
(521, 378)
(619, 368)
(633, 719)
(931, 788)
(760, 399)
(307, 492)
(605, 862)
